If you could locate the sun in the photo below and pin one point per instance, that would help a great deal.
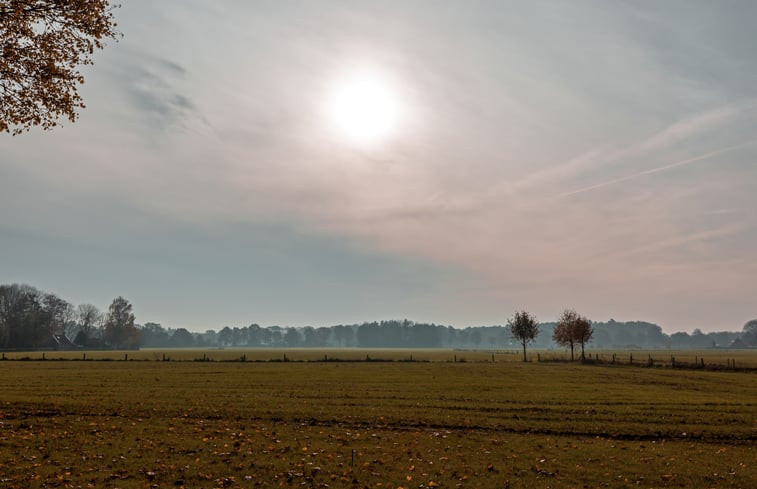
(363, 108)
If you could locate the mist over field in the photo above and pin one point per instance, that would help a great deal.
(32, 319)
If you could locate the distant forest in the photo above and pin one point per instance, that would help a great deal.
(32, 319)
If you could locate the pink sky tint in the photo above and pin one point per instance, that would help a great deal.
(546, 156)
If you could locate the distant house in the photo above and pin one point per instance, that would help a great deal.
(61, 342)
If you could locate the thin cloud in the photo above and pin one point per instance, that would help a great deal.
(680, 241)
(672, 135)
(659, 169)
(508, 106)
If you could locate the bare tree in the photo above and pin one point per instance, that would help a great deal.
(90, 319)
(27, 316)
(70, 321)
(524, 328)
(42, 45)
(573, 329)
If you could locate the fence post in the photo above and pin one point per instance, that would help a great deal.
(630, 358)
(672, 361)
(126, 356)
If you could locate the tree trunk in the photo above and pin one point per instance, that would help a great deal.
(524, 350)
(571, 352)
(583, 357)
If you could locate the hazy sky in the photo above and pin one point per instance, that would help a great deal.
(590, 154)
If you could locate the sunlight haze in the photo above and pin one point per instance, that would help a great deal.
(363, 108)
(321, 163)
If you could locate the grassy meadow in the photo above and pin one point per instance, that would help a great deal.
(427, 423)
(710, 357)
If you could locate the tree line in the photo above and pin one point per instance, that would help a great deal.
(32, 319)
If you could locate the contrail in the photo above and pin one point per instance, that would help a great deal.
(659, 169)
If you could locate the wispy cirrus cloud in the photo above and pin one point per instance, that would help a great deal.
(546, 156)
(699, 124)
(662, 168)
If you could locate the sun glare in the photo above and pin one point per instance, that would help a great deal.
(363, 108)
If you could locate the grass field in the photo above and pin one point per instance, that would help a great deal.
(710, 357)
(379, 425)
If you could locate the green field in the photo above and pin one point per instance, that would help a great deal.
(132, 424)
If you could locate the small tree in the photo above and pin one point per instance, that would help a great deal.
(583, 332)
(524, 328)
(225, 336)
(749, 333)
(89, 320)
(565, 334)
(182, 338)
(292, 337)
(562, 335)
(57, 311)
(120, 330)
(310, 336)
(573, 329)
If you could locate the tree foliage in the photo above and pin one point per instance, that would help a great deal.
(59, 312)
(29, 318)
(182, 338)
(42, 45)
(120, 331)
(583, 332)
(524, 328)
(573, 329)
(749, 333)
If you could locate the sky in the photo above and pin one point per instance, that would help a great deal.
(539, 155)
